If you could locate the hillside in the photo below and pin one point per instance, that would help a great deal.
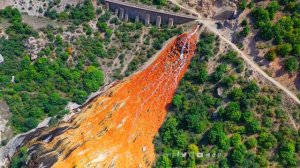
(80, 87)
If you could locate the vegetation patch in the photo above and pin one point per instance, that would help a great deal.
(223, 119)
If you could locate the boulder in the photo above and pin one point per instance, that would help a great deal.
(1, 59)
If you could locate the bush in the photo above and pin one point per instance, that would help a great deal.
(12, 14)
(252, 126)
(287, 155)
(296, 50)
(243, 5)
(271, 55)
(284, 49)
(251, 143)
(20, 159)
(236, 140)
(291, 64)
(245, 31)
(266, 140)
(232, 112)
(272, 8)
(52, 14)
(83, 13)
(236, 94)
(261, 16)
(237, 156)
(79, 96)
(93, 79)
(203, 74)
(31, 123)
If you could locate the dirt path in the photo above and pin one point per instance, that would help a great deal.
(251, 62)
(210, 24)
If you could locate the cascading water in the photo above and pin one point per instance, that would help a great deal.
(117, 128)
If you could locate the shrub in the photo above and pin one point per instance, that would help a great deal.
(266, 140)
(284, 49)
(251, 143)
(291, 64)
(245, 31)
(271, 55)
(232, 112)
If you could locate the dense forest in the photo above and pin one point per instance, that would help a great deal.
(224, 119)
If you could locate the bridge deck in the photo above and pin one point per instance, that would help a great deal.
(141, 11)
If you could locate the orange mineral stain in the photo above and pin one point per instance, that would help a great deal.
(117, 128)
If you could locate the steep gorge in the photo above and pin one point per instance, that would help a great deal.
(117, 128)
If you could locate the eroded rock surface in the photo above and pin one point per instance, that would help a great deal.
(117, 128)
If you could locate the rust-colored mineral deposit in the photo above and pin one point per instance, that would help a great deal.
(118, 127)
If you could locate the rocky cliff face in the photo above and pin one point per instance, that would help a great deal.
(211, 8)
(117, 128)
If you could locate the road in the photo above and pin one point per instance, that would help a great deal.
(251, 62)
(210, 24)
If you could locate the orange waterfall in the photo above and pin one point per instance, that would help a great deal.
(117, 128)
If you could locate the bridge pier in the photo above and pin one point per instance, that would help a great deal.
(158, 21)
(126, 17)
(107, 6)
(137, 18)
(121, 15)
(171, 22)
(144, 14)
(147, 20)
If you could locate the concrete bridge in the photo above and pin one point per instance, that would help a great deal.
(126, 11)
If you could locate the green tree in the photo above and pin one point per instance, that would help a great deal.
(236, 94)
(261, 16)
(296, 50)
(20, 159)
(169, 131)
(217, 136)
(252, 126)
(93, 79)
(237, 155)
(251, 89)
(266, 30)
(219, 73)
(287, 155)
(163, 162)
(177, 101)
(266, 140)
(160, 2)
(223, 141)
(243, 5)
(192, 150)
(245, 31)
(228, 81)
(12, 14)
(203, 74)
(31, 123)
(214, 132)
(251, 143)
(284, 49)
(236, 140)
(271, 55)
(272, 8)
(232, 112)
(291, 64)
(181, 140)
(79, 96)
